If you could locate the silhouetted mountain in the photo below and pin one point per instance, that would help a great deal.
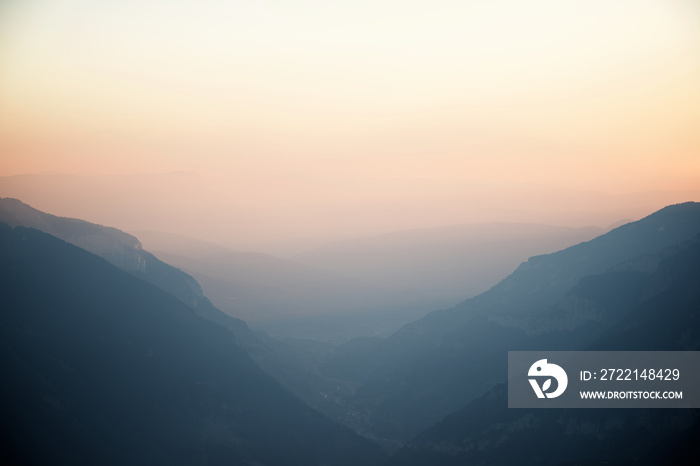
(439, 363)
(115, 246)
(119, 248)
(125, 251)
(660, 315)
(291, 363)
(100, 367)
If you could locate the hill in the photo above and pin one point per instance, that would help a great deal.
(433, 366)
(660, 315)
(100, 367)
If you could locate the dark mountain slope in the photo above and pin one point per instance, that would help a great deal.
(433, 366)
(540, 282)
(287, 363)
(102, 368)
(115, 246)
(662, 315)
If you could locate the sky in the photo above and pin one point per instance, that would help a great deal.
(330, 118)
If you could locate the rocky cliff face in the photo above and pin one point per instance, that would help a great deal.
(127, 255)
(121, 249)
(115, 246)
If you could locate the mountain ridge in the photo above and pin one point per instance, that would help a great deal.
(419, 374)
(661, 316)
(103, 368)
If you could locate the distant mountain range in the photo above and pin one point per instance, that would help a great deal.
(283, 296)
(362, 287)
(448, 263)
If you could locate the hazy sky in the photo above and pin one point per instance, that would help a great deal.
(332, 106)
